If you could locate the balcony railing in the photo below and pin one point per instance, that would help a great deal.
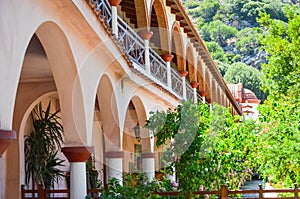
(103, 9)
(133, 45)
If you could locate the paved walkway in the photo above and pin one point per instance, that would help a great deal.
(253, 185)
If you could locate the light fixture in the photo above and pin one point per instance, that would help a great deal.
(137, 132)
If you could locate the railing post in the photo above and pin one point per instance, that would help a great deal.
(224, 192)
(183, 74)
(22, 191)
(40, 192)
(260, 191)
(296, 191)
(188, 195)
(114, 16)
(146, 35)
(203, 94)
(168, 58)
(194, 86)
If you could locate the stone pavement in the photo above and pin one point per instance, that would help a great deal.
(253, 185)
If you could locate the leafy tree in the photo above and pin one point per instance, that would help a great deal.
(208, 147)
(281, 112)
(223, 67)
(249, 76)
(216, 51)
(208, 9)
(250, 10)
(248, 40)
(217, 31)
(191, 4)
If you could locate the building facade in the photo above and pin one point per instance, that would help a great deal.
(105, 65)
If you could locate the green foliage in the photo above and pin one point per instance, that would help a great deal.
(216, 51)
(217, 31)
(281, 112)
(249, 76)
(223, 67)
(248, 39)
(134, 186)
(251, 10)
(208, 147)
(208, 9)
(41, 147)
(191, 4)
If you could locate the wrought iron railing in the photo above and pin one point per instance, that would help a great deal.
(158, 67)
(103, 9)
(189, 92)
(177, 83)
(131, 43)
(134, 47)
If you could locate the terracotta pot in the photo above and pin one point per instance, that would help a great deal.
(145, 34)
(209, 101)
(194, 84)
(184, 73)
(6, 136)
(203, 93)
(78, 153)
(167, 57)
(114, 2)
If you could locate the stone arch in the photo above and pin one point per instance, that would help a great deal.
(201, 78)
(109, 114)
(48, 65)
(65, 75)
(159, 25)
(190, 67)
(177, 47)
(133, 148)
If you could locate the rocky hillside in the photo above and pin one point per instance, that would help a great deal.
(232, 35)
(230, 29)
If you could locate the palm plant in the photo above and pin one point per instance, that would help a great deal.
(41, 147)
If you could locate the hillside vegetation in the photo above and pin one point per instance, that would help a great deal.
(232, 35)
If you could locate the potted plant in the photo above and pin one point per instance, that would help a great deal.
(41, 147)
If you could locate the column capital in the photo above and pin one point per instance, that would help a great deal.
(145, 34)
(149, 155)
(183, 73)
(167, 57)
(78, 153)
(203, 93)
(114, 154)
(194, 84)
(114, 2)
(6, 136)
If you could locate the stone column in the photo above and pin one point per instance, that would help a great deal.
(146, 36)
(168, 58)
(6, 136)
(77, 156)
(203, 94)
(183, 74)
(114, 14)
(194, 86)
(149, 165)
(115, 165)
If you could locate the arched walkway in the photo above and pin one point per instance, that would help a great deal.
(177, 47)
(159, 25)
(48, 66)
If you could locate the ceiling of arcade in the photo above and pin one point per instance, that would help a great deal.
(36, 67)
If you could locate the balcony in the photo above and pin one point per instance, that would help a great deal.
(150, 64)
